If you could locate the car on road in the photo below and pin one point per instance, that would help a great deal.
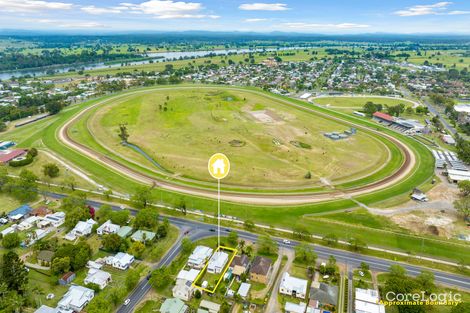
(212, 229)
(127, 301)
(286, 241)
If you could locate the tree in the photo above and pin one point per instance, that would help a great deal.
(426, 281)
(370, 108)
(397, 271)
(463, 206)
(160, 278)
(123, 133)
(119, 217)
(54, 107)
(146, 218)
(25, 188)
(79, 254)
(162, 231)
(104, 213)
(11, 241)
(137, 248)
(330, 239)
(357, 244)
(364, 266)
(267, 245)
(187, 245)
(77, 214)
(249, 225)
(51, 170)
(142, 197)
(232, 238)
(330, 268)
(132, 278)
(60, 265)
(113, 243)
(464, 187)
(99, 304)
(14, 273)
(304, 253)
(301, 232)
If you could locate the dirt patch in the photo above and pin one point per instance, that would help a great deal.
(266, 116)
(429, 223)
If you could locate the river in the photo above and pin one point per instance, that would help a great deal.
(154, 57)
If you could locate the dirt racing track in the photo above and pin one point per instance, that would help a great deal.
(406, 168)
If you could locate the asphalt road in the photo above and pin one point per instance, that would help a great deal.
(197, 230)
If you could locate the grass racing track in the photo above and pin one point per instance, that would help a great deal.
(93, 150)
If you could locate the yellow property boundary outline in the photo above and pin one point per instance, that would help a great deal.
(203, 271)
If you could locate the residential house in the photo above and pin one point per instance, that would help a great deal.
(198, 258)
(124, 231)
(20, 213)
(190, 275)
(261, 270)
(107, 228)
(27, 223)
(211, 307)
(295, 308)
(143, 236)
(41, 211)
(463, 113)
(324, 293)
(76, 298)
(45, 257)
(98, 277)
(173, 305)
(46, 309)
(293, 286)
(121, 260)
(183, 289)
(367, 301)
(240, 264)
(81, 229)
(217, 262)
(67, 278)
(244, 290)
(56, 219)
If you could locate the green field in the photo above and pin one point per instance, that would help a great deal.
(200, 122)
(349, 104)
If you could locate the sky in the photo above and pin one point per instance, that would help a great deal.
(302, 16)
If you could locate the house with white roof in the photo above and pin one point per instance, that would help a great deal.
(81, 229)
(198, 258)
(28, 223)
(294, 307)
(244, 290)
(190, 275)
(121, 260)
(108, 228)
(8, 230)
(56, 219)
(367, 301)
(98, 277)
(217, 262)
(293, 286)
(183, 290)
(76, 299)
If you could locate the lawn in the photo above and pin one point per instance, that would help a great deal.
(8, 203)
(43, 284)
(357, 103)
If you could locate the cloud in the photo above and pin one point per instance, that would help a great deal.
(32, 5)
(314, 26)
(91, 9)
(255, 20)
(168, 9)
(426, 9)
(263, 7)
(67, 24)
(458, 12)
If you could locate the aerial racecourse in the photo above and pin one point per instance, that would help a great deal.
(282, 151)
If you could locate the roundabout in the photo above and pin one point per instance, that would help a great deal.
(194, 125)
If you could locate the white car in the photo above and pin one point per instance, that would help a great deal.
(50, 296)
(286, 241)
(127, 301)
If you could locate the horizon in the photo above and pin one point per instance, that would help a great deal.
(356, 17)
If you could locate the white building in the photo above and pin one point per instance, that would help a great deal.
(295, 308)
(81, 229)
(121, 261)
(28, 223)
(98, 277)
(200, 255)
(183, 290)
(76, 299)
(108, 228)
(244, 290)
(56, 219)
(217, 262)
(293, 286)
(367, 301)
(190, 275)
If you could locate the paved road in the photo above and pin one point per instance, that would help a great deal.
(198, 230)
(434, 111)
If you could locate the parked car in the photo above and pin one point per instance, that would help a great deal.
(127, 301)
